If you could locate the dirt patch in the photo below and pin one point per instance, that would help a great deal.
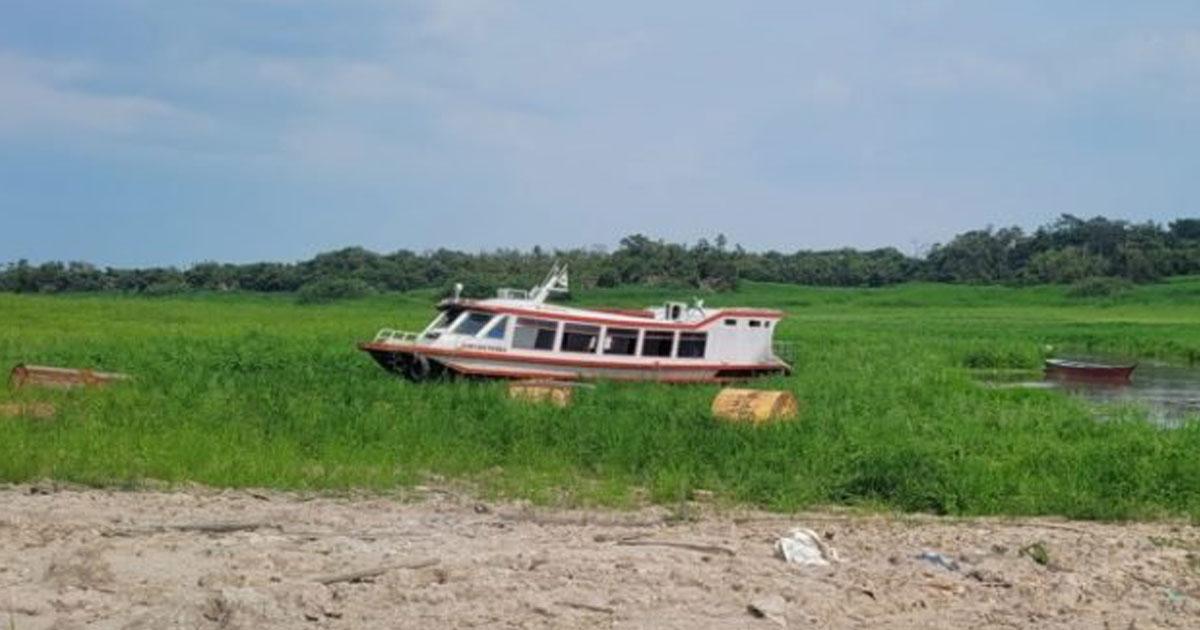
(207, 559)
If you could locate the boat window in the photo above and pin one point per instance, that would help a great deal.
(658, 343)
(767, 324)
(731, 322)
(534, 334)
(473, 323)
(754, 323)
(621, 341)
(498, 329)
(691, 345)
(580, 338)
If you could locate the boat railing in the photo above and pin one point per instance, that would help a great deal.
(390, 335)
(512, 294)
(784, 351)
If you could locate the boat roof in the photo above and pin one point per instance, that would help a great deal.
(649, 318)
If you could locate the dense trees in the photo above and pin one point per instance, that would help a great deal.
(978, 256)
(1069, 250)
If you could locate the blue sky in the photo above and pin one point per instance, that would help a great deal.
(137, 132)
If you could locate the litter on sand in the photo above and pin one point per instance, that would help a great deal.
(939, 559)
(804, 546)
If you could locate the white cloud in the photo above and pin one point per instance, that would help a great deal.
(329, 81)
(38, 96)
(1169, 57)
(1174, 49)
(324, 146)
(827, 89)
(966, 70)
(462, 19)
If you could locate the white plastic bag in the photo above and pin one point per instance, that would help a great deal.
(804, 546)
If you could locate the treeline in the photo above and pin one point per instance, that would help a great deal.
(1068, 250)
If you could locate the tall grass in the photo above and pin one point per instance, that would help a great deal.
(238, 390)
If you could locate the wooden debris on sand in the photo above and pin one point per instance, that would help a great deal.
(40, 410)
(59, 378)
(369, 574)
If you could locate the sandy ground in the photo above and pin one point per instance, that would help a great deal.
(207, 559)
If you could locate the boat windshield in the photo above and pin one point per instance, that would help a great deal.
(474, 322)
(498, 329)
(446, 318)
(438, 325)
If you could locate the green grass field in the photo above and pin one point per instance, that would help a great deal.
(244, 390)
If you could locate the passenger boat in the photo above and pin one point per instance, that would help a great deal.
(1062, 369)
(518, 335)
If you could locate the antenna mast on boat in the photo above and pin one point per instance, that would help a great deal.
(556, 282)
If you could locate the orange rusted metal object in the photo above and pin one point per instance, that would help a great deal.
(59, 378)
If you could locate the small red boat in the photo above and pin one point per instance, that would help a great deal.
(1063, 369)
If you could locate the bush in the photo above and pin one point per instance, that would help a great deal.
(1070, 264)
(1099, 287)
(1010, 358)
(332, 289)
(472, 289)
(165, 288)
